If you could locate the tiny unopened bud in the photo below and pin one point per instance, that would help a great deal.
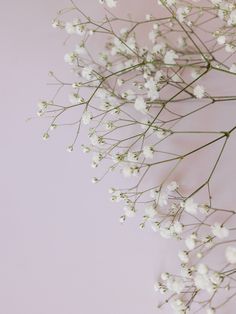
(85, 149)
(76, 85)
(142, 225)
(39, 113)
(53, 126)
(95, 180)
(122, 219)
(70, 149)
(45, 136)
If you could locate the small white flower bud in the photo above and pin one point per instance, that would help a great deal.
(95, 180)
(70, 149)
(45, 136)
(122, 219)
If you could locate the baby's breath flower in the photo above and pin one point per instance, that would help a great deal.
(86, 117)
(140, 105)
(219, 231)
(70, 149)
(170, 57)
(45, 136)
(148, 152)
(109, 3)
(190, 206)
(199, 91)
(230, 254)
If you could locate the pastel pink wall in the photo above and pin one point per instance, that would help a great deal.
(62, 249)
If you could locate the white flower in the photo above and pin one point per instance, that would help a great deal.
(80, 50)
(74, 27)
(159, 48)
(86, 117)
(172, 186)
(116, 195)
(57, 24)
(69, 27)
(203, 282)
(42, 105)
(161, 197)
(232, 18)
(177, 227)
(158, 76)
(133, 156)
(190, 243)
(152, 89)
(210, 311)
(85, 149)
(183, 256)
(97, 157)
(129, 211)
(176, 285)
(87, 72)
(178, 306)
(46, 136)
(140, 104)
(165, 231)
(165, 276)
(190, 206)
(198, 91)
(74, 99)
(181, 13)
(130, 170)
(152, 36)
(202, 279)
(155, 227)
(202, 269)
(70, 149)
(70, 58)
(185, 271)
(129, 94)
(221, 40)
(230, 254)
(109, 3)
(170, 57)
(96, 140)
(219, 231)
(150, 211)
(95, 180)
(156, 286)
(148, 152)
(127, 171)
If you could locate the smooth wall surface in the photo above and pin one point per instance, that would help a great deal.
(62, 249)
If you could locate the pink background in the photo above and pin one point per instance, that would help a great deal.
(62, 249)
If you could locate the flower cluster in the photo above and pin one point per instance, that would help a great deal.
(135, 98)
